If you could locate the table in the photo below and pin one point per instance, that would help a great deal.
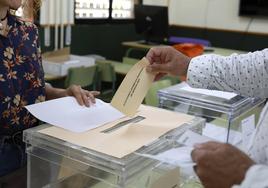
(121, 68)
(215, 50)
(50, 77)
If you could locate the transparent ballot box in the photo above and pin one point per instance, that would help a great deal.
(54, 163)
(229, 117)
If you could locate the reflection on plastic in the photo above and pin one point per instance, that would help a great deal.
(190, 138)
(180, 156)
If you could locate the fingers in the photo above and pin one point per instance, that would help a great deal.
(202, 151)
(159, 61)
(159, 76)
(82, 96)
(152, 54)
(198, 154)
(155, 67)
(76, 91)
(89, 97)
(95, 93)
(157, 54)
(158, 68)
(211, 145)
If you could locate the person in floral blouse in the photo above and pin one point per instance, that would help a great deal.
(22, 83)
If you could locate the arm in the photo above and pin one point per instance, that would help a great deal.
(245, 74)
(82, 96)
(256, 176)
(53, 93)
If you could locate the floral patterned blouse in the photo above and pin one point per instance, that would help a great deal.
(21, 75)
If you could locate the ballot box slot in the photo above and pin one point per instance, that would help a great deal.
(123, 123)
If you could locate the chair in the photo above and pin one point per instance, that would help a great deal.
(106, 74)
(83, 76)
(136, 52)
(151, 98)
(130, 61)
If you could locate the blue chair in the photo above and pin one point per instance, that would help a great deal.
(176, 40)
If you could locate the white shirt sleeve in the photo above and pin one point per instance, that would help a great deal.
(256, 176)
(245, 74)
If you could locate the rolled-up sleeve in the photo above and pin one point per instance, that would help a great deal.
(245, 74)
(256, 176)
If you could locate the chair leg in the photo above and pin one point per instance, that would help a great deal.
(99, 85)
(113, 87)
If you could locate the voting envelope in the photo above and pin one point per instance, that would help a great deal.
(133, 89)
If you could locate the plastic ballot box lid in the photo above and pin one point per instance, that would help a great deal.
(219, 101)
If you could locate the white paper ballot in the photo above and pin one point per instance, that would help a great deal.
(248, 129)
(220, 134)
(220, 94)
(177, 156)
(190, 138)
(68, 114)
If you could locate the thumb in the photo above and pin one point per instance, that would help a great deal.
(159, 76)
(159, 68)
(95, 93)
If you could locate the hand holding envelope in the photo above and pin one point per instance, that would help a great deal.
(99, 126)
(67, 114)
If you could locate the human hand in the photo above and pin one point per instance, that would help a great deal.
(167, 60)
(220, 165)
(82, 96)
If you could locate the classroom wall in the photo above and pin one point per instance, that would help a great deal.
(212, 14)
(106, 39)
(103, 39)
(224, 39)
(217, 21)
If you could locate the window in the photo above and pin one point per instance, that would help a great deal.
(106, 10)
(86, 9)
(122, 9)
